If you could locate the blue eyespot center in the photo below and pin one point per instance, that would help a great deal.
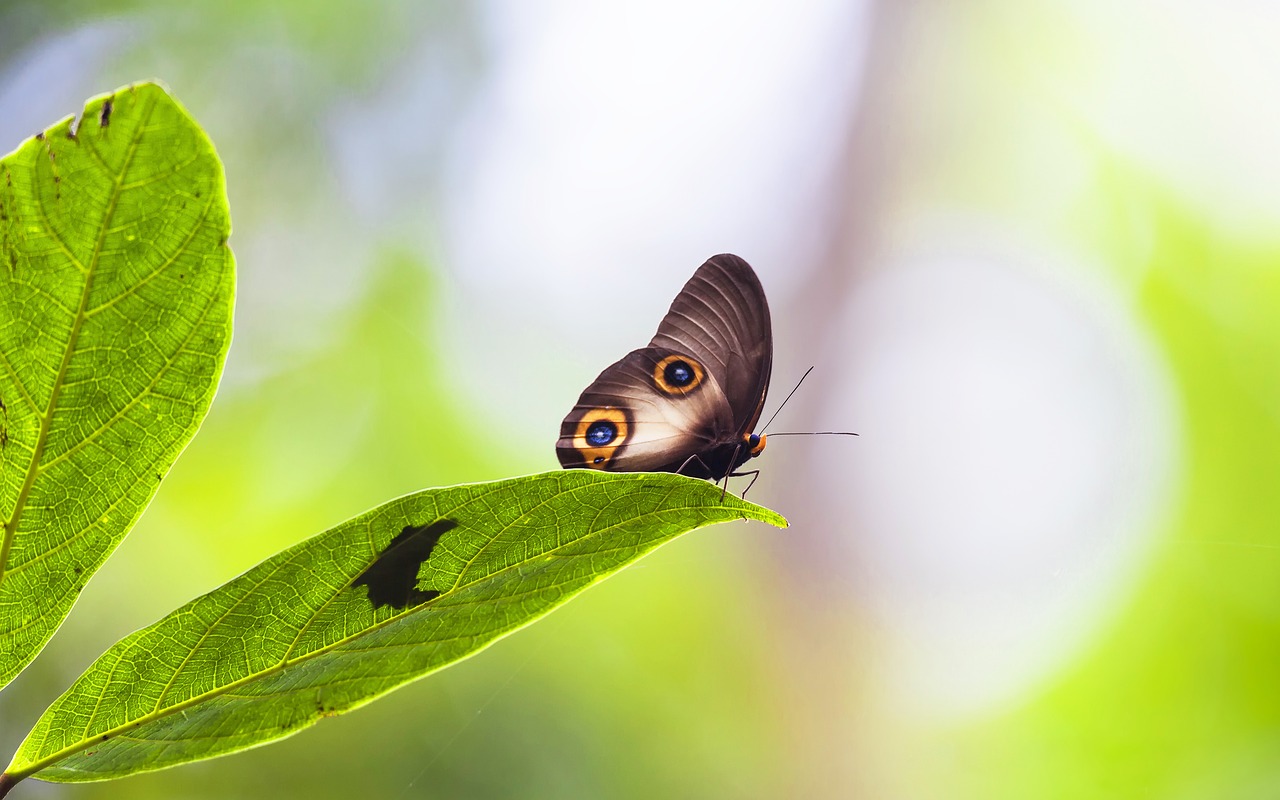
(601, 433)
(678, 373)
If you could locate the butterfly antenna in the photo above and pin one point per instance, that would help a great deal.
(816, 433)
(788, 397)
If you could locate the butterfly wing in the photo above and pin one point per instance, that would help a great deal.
(632, 419)
(721, 318)
(684, 402)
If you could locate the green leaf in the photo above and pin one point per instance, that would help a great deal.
(115, 315)
(378, 601)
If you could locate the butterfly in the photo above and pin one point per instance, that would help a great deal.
(689, 401)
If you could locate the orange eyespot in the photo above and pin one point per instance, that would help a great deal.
(600, 432)
(677, 374)
(754, 443)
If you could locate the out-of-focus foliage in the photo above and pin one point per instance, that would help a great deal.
(336, 37)
(116, 286)
(1178, 700)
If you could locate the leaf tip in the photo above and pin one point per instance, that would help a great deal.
(774, 518)
(754, 511)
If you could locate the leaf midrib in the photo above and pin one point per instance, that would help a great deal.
(33, 469)
(88, 741)
(115, 504)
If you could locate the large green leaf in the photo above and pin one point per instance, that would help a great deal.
(354, 612)
(115, 315)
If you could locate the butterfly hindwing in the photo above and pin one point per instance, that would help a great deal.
(655, 424)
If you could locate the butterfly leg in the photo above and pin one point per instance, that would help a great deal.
(755, 473)
(690, 460)
(725, 489)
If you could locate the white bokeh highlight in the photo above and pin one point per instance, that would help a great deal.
(609, 152)
(1018, 438)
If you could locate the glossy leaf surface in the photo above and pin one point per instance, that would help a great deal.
(330, 624)
(116, 288)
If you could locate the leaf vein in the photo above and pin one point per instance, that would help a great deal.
(11, 527)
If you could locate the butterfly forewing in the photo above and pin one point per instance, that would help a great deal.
(721, 318)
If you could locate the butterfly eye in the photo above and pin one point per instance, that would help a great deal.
(754, 443)
(677, 374)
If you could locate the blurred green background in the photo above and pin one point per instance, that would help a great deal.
(1030, 247)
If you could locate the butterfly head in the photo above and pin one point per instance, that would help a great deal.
(754, 443)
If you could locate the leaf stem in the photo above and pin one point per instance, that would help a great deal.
(7, 782)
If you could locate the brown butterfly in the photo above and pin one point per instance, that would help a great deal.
(689, 401)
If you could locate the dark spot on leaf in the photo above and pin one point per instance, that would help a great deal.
(40, 136)
(78, 570)
(392, 579)
(105, 737)
(104, 119)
